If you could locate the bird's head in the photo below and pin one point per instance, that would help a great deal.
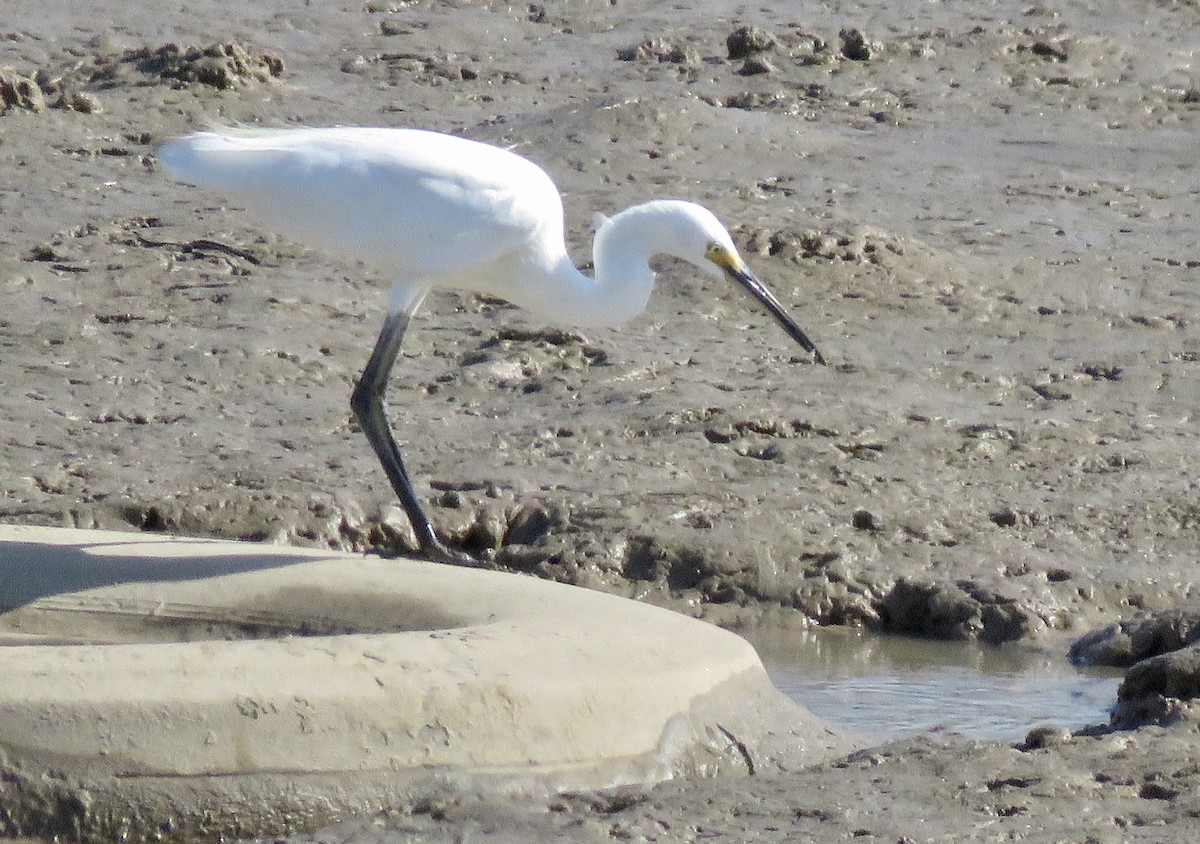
(692, 233)
(699, 238)
(707, 243)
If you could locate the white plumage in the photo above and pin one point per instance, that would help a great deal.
(436, 210)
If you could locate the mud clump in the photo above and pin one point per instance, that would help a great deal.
(1162, 651)
(1162, 690)
(756, 65)
(747, 41)
(1129, 641)
(221, 66)
(39, 92)
(791, 102)
(19, 92)
(954, 611)
(854, 45)
(1048, 50)
(660, 50)
(852, 245)
(401, 68)
(42, 805)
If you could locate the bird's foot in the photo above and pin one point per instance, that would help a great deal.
(436, 552)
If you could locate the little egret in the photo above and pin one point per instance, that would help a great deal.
(435, 210)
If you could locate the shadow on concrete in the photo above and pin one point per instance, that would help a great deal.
(33, 570)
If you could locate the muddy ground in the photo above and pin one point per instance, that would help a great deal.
(983, 213)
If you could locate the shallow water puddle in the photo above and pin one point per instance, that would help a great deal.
(893, 687)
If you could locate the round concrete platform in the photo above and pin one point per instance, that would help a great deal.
(171, 687)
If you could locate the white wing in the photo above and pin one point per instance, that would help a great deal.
(413, 202)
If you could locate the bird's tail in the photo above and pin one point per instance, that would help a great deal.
(214, 159)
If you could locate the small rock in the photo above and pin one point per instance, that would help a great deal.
(854, 45)
(660, 50)
(525, 558)
(530, 523)
(79, 101)
(485, 533)
(865, 520)
(43, 252)
(1047, 735)
(1049, 51)
(748, 40)
(1003, 518)
(17, 91)
(755, 65)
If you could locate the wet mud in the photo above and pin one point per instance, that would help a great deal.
(983, 215)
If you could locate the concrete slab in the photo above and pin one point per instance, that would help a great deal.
(156, 687)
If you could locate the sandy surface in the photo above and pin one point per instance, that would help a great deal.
(986, 222)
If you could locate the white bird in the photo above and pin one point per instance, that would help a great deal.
(435, 210)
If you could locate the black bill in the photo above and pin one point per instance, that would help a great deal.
(760, 292)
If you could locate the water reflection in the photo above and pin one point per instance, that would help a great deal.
(892, 687)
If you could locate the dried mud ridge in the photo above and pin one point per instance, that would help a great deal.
(75, 87)
(559, 543)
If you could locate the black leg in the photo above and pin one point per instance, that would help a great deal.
(368, 406)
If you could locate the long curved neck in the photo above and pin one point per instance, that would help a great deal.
(621, 253)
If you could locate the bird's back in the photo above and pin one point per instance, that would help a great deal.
(416, 203)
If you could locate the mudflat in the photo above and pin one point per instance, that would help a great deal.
(984, 214)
